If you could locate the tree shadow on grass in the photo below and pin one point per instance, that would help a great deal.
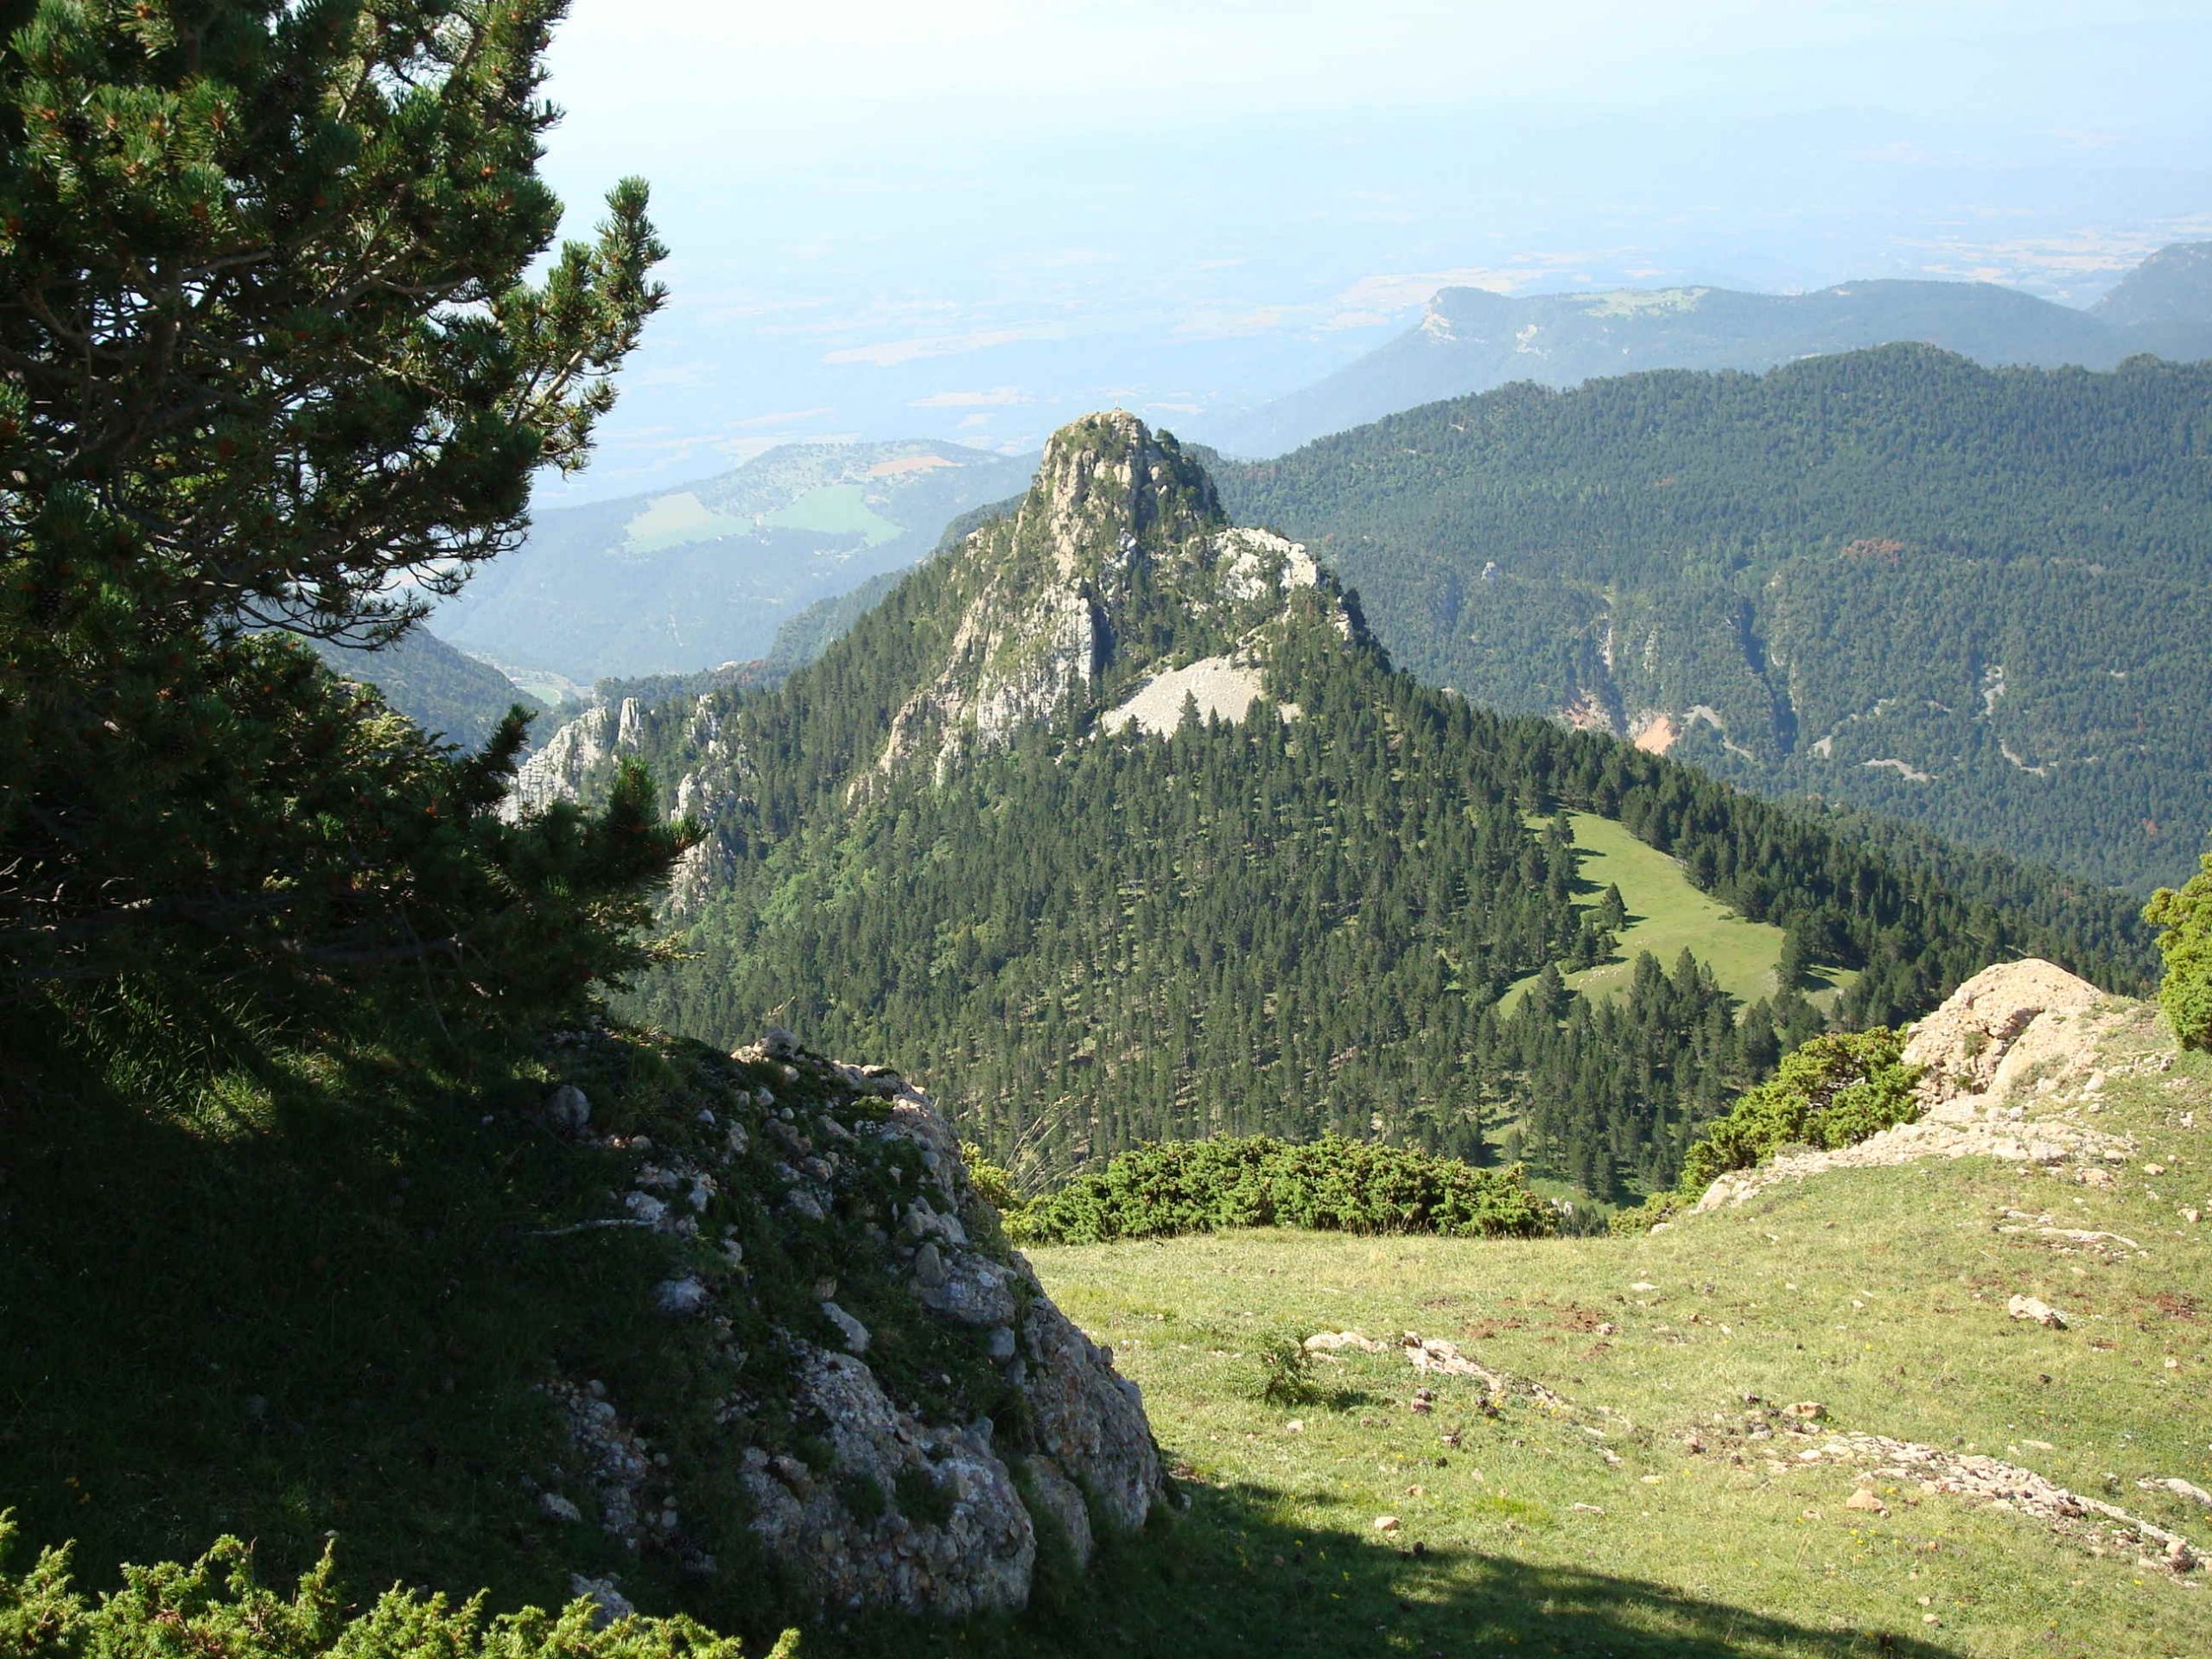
(298, 1305)
(1229, 1578)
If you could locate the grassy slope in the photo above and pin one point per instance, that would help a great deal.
(835, 509)
(319, 1295)
(1667, 915)
(1879, 1293)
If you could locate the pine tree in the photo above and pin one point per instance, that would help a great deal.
(267, 348)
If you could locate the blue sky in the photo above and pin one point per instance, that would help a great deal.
(972, 220)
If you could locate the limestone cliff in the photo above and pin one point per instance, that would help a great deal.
(1119, 563)
(892, 1397)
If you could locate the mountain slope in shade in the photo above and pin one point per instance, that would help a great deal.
(2165, 305)
(445, 691)
(683, 580)
(1114, 821)
(1471, 340)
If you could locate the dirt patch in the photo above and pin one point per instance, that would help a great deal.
(1656, 733)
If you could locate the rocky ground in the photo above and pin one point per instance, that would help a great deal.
(866, 1484)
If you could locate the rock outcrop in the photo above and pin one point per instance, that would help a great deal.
(1121, 540)
(921, 1482)
(2009, 1062)
(577, 762)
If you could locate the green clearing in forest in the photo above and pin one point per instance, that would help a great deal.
(672, 520)
(835, 509)
(1667, 915)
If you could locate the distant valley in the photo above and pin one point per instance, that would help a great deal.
(1472, 339)
(686, 579)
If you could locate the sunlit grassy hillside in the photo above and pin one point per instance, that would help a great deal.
(1639, 1516)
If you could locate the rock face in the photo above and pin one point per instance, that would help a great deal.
(572, 758)
(577, 762)
(860, 1484)
(1995, 1031)
(2009, 1060)
(1121, 532)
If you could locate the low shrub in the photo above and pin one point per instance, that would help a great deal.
(1285, 1371)
(1833, 1092)
(1336, 1184)
(994, 1183)
(215, 1606)
(2183, 916)
(1660, 1206)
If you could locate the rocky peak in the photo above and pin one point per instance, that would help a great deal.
(1108, 487)
(1120, 563)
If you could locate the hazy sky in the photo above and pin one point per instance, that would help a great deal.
(972, 220)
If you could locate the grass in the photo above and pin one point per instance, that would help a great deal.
(319, 1295)
(318, 1288)
(1879, 1293)
(672, 520)
(835, 509)
(1667, 915)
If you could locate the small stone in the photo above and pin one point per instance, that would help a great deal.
(1001, 1341)
(853, 1332)
(2041, 1313)
(557, 1507)
(680, 1297)
(778, 1044)
(929, 1266)
(1386, 1524)
(567, 1110)
(608, 1604)
(1864, 1500)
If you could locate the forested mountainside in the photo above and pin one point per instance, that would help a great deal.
(686, 579)
(1975, 599)
(447, 692)
(1115, 822)
(1472, 340)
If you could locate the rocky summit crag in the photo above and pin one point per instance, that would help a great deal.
(1119, 561)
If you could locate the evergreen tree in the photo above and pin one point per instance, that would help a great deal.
(2184, 916)
(269, 350)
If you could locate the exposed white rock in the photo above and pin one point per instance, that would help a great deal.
(1222, 687)
(853, 1332)
(2035, 1312)
(1117, 514)
(2002, 1057)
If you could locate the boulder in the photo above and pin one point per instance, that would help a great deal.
(1997, 1028)
(978, 1559)
(567, 1110)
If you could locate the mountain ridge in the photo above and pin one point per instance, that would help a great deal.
(1098, 930)
(1472, 340)
(1890, 578)
(706, 572)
